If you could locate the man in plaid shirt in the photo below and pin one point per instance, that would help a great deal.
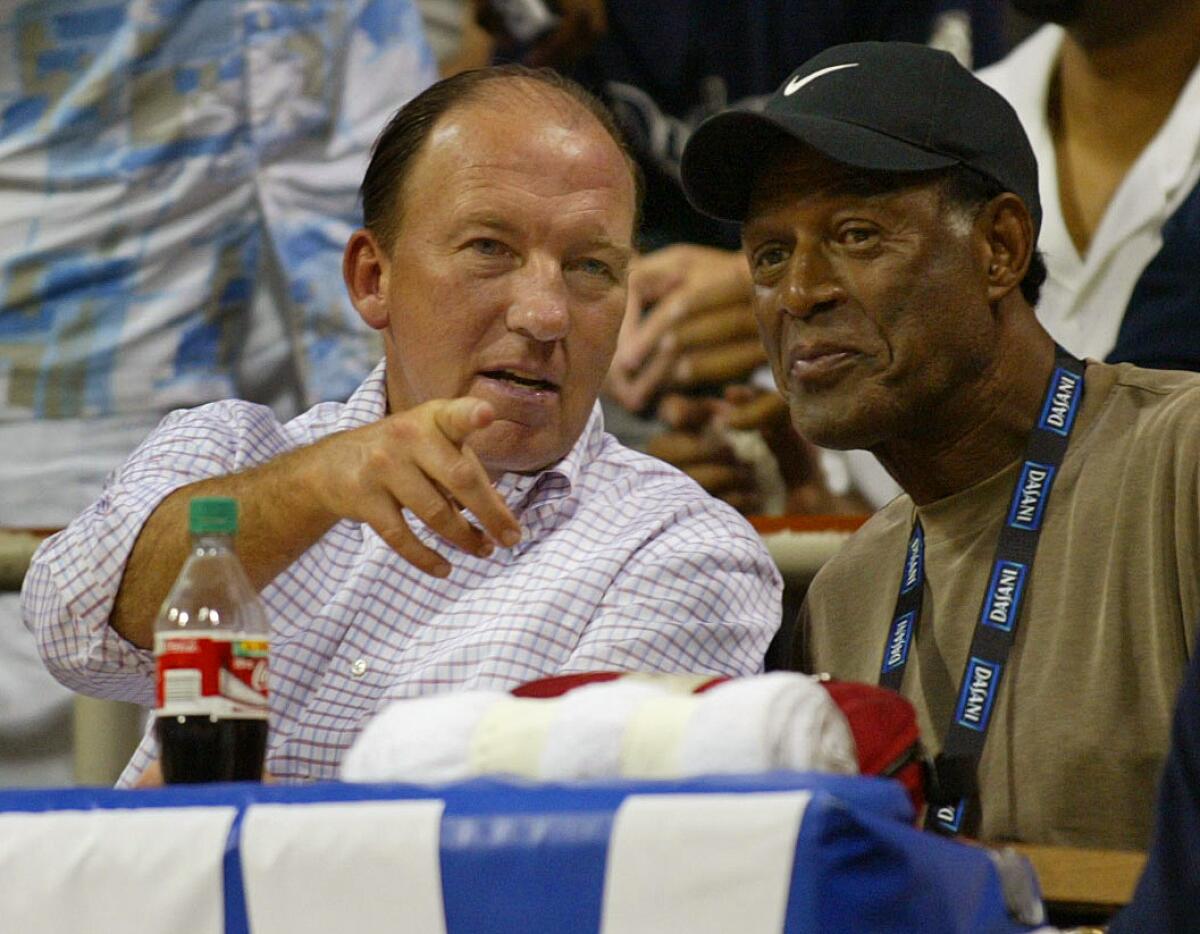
(499, 211)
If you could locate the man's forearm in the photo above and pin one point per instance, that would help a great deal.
(415, 459)
(279, 519)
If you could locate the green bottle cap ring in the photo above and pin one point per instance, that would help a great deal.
(213, 515)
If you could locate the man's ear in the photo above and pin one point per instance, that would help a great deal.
(1010, 241)
(365, 268)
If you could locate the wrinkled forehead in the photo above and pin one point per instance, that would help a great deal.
(793, 171)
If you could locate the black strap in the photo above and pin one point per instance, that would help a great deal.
(953, 794)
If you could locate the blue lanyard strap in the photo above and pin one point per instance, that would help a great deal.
(907, 613)
(954, 796)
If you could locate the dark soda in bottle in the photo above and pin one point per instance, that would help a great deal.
(211, 643)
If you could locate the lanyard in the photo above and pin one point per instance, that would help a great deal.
(955, 800)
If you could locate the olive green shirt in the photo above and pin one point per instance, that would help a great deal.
(1081, 723)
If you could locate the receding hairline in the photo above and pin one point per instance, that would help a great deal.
(510, 91)
(533, 89)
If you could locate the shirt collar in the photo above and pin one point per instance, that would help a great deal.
(368, 403)
(522, 492)
(1024, 78)
(525, 492)
(1156, 182)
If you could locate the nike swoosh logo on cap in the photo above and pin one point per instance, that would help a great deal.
(797, 83)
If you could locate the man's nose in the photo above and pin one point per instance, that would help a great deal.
(811, 285)
(539, 309)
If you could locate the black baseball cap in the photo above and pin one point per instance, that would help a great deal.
(879, 106)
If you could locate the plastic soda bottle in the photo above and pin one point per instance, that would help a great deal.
(211, 641)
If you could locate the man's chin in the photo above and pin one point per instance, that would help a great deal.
(507, 447)
(834, 431)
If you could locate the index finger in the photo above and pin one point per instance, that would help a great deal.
(476, 493)
(457, 468)
(457, 418)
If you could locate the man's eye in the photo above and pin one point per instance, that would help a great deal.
(488, 247)
(857, 236)
(769, 257)
(592, 267)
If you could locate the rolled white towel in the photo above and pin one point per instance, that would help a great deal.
(781, 720)
(585, 738)
(629, 727)
(420, 739)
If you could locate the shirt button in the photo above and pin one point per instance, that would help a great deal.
(359, 668)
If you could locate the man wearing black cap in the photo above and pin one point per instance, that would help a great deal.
(1035, 591)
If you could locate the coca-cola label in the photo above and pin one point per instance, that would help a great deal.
(215, 674)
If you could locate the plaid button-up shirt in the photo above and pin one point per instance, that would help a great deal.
(625, 564)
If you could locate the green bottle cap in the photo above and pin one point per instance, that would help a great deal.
(213, 515)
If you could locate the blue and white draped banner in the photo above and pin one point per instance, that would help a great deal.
(777, 853)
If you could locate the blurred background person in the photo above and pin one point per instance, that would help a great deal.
(457, 40)
(1109, 93)
(179, 179)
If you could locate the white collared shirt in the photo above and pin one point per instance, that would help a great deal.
(1085, 297)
